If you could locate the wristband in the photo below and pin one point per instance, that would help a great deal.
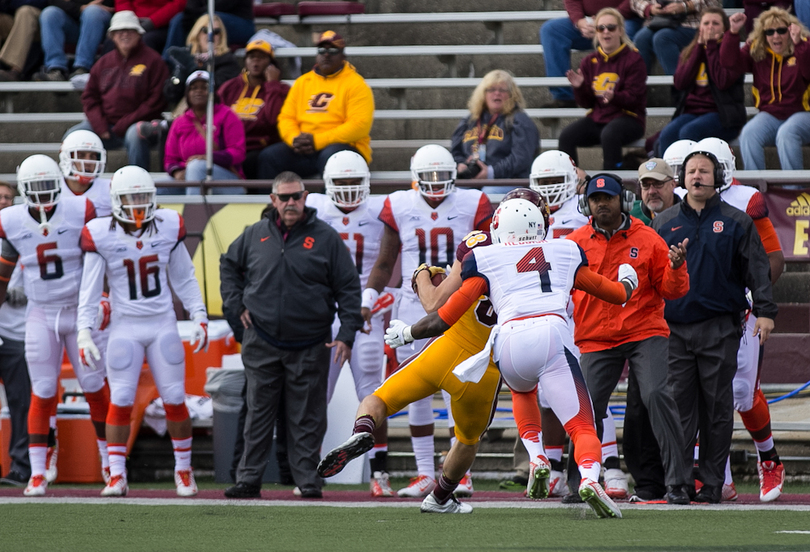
(407, 335)
(370, 296)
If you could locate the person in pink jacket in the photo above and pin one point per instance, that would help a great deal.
(185, 145)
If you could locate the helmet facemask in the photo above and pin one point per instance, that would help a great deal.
(348, 193)
(135, 207)
(436, 184)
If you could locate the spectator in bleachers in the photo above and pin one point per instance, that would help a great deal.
(612, 84)
(185, 146)
(154, 17)
(19, 28)
(497, 139)
(576, 32)
(236, 16)
(256, 96)
(712, 100)
(754, 8)
(670, 25)
(778, 55)
(802, 8)
(125, 87)
(328, 109)
(82, 23)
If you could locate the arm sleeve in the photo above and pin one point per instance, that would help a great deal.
(687, 71)
(91, 103)
(359, 117)
(172, 160)
(767, 233)
(525, 140)
(162, 16)
(757, 269)
(641, 7)
(802, 53)
(233, 136)
(90, 291)
(584, 95)
(731, 55)
(575, 9)
(633, 87)
(154, 101)
(461, 300)
(184, 283)
(600, 287)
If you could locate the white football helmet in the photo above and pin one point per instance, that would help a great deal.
(39, 181)
(559, 166)
(722, 151)
(344, 165)
(517, 221)
(434, 170)
(676, 153)
(133, 195)
(83, 170)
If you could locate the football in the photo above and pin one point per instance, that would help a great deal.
(436, 279)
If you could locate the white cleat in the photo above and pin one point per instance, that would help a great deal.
(465, 487)
(595, 496)
(539, 472)
(37, 486)
(557, 485)
(729, 493)
(185, 483)
(116, 487)
(50, 463)
(105, 474)
(771, 480)
(380, 485)
(616, 484)
(419, 487)
(452, 506)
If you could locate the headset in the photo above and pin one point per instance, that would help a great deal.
(719, 175)
(628, 198)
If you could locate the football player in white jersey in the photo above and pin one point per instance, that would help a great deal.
(528, 281)
(749, 400)
(137, 249)
(349, 209)
(426, 223)
(676, 153)
(83, 159)
(43, 235)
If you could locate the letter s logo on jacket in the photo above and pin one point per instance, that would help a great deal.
(634, 252)
(717, 227)
(319, 102)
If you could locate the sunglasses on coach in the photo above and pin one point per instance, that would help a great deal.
(778, 30)
(284, 198)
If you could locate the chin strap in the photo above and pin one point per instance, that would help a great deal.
(44, 226)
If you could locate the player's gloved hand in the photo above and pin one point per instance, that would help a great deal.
(15, 297)
(104, 312)
(88, 351)
(628, 274)
(398, 334)
(432, 271)
(199, 335)
(384, 303)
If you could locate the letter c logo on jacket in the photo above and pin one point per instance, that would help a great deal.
(320, 102)
(137, 70)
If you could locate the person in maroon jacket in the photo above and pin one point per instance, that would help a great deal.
(712, 101)
(256, 96)
(778, 55)
(125, 87)
(612, 84)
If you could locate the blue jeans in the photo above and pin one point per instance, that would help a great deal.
(195, 172)
(696, 128)
(239, 30)
(275, 159)
(57, 27)
(802, 8)
(664, 44)
(138, 150)
(766, 130)
(559, 37)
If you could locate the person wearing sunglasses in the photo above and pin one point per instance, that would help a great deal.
(284, 279)
(612, 84)
(236, 17)
(328, 109)
(777, 53)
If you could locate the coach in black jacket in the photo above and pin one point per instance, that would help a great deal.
(283, 280)
(725, 256)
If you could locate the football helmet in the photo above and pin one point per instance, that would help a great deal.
(133, 195)
(676, 153)
(559, 166)
(434, 171)
(39, 181)
(83, 170)
(722, 151)
(534, 197)
(517, 221)
(344, 165)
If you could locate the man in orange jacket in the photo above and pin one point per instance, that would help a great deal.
(608, 335)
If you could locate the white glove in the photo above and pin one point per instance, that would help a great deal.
(398, 334)
(199, 335)
(628, 274)
(87, 349)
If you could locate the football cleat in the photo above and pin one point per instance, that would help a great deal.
(465, 487)
(539, 472)
(337, 458)
(105, 474)
(185, 483)
(50, 463)
(431, 506)
(616, 484)
(557, 485)
(116, 487)
(771, 480)
(380, 485)
(729, 492)
(37, 486)
(592, 492)
(419, 487)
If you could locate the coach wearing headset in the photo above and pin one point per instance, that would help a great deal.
(608, 335)
(725, 256)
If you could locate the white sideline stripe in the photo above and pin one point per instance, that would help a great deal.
(794, 532)
(522, 504)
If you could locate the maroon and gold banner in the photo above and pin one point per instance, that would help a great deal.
(789, 210)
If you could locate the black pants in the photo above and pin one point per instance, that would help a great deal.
(275, 159)
(612, 136)
(641, 452)
(14, 372)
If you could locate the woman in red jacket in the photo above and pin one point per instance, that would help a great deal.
(612, 83)
(778, 55)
